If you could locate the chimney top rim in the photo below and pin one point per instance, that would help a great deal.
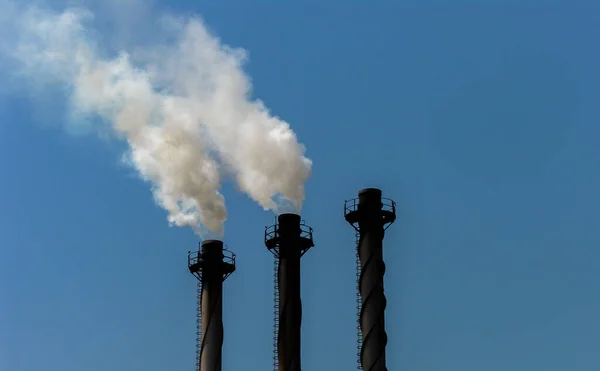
(370, 191)
(211, 242)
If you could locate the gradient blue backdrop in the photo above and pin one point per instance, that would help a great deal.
(481, 121)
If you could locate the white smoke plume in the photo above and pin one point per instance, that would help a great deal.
(184, 109)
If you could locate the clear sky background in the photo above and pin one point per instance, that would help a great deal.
(481, 121)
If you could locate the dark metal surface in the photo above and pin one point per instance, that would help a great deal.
(370, 216)
(289, 239)
(211, 265)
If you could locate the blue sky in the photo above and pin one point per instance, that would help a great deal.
(480, 121)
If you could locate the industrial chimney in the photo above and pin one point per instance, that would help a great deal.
(288, 240)
(371, 215)
(211, 265)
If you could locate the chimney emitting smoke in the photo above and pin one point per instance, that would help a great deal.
(288, 240)
(211, 265)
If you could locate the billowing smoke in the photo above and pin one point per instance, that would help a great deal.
(183, 107)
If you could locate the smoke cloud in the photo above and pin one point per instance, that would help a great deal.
(183, 107)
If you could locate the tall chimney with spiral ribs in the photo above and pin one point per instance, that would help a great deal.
(288, 240)
(370, 215)
(211, 265)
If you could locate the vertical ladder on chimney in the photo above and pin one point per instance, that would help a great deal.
(198, 325)
(359, 337)
(275, 312)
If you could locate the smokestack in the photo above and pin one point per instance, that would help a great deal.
(288, 240)
(211, 265)
(370, 215)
